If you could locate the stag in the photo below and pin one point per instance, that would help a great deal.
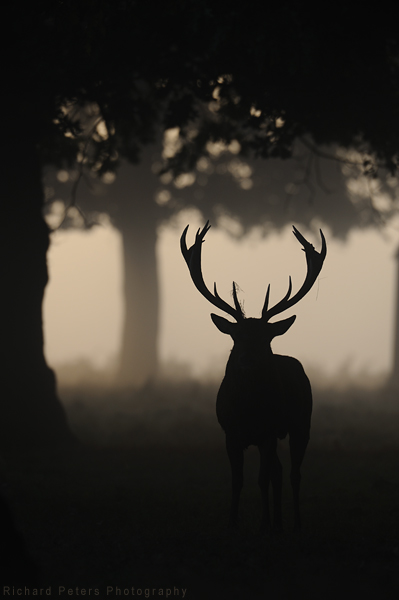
(263, 396)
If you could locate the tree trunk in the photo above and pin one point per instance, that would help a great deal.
(130, 202)
(30, 410)
(395, 366)
(138, 358)
(137, 220)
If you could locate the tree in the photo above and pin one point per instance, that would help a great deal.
(263, 77)
(29, 410)
(234, 192)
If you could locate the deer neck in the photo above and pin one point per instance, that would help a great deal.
(250, 361)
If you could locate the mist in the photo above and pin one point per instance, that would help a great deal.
(129, 466)
(346, 323)
(143, 497)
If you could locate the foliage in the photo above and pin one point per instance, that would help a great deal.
(263, 74)
(103, 79)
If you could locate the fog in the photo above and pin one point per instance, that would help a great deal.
(344, 325)
(152, 473)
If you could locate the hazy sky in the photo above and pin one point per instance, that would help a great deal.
(345, 321)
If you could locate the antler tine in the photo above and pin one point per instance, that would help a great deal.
(314, 262)
(265, 312)
(192, 256)
(266, 303)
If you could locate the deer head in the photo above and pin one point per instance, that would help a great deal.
(253, 334)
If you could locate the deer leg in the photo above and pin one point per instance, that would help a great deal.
(298, 445)
(267, 453)
(236, 456)
(277, 484)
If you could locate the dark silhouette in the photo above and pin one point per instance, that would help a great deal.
(16, 565)
(30, 411)
(145, 69)
(263, 396)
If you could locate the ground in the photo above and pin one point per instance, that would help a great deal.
(141, 504)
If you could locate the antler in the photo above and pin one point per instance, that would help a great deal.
(192, 256)
(314, 262)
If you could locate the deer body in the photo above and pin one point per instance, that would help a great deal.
(256, 407)
(274, 399)
(263, 396)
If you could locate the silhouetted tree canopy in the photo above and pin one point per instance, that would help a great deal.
(264, 74)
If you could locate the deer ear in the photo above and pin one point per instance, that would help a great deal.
(280, 327)
(223, 325)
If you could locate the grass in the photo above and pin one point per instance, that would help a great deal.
(142, 502)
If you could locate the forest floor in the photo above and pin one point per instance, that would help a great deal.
(140, 506)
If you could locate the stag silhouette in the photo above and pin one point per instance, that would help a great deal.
(263, 396)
